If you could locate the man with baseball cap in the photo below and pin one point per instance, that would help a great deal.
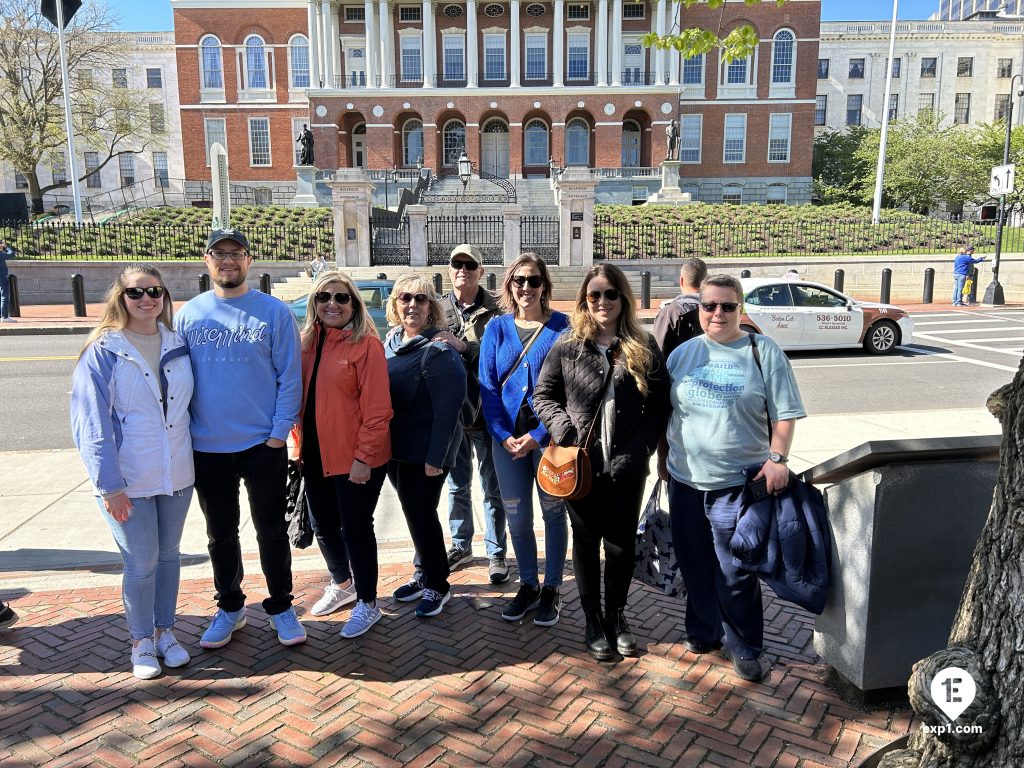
(244, 347)
(468, 309)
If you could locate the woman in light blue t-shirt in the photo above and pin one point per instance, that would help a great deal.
(721, 405)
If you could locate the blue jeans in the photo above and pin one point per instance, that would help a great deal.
(518, 478)
(958, 288)
(149, 541)
(460, 501)
(5, 299)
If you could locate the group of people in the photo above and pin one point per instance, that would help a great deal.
(162, 407)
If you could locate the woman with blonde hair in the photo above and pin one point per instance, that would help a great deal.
(344, 443)
(130, 422)
(428, 385)
(608, 375)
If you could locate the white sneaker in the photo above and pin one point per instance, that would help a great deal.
(363, 617)
(170, 651)
(7, 320)
(144, 662)
(334, 598)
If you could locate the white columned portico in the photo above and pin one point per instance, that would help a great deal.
(314, 44)
(616, 42)
(318, 54)
(325, 41)
(387, 64)
(673, 56)
(516, 34)
(429, 47)
(602, 42)
(557, 38)
(335, 48)
(472, 68)
(657, 55)
(371, 45)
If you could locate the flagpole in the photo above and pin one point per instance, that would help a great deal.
(876, 209)
(76, 191)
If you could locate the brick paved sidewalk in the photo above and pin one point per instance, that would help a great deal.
(463, 689)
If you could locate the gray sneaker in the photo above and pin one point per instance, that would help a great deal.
(498, 570)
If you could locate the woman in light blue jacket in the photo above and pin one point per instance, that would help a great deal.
(129, 419)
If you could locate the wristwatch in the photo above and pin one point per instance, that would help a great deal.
(777, 457)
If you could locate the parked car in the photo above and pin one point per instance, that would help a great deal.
(375, 295)
(803, 315)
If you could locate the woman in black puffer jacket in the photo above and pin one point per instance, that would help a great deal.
(630, 419)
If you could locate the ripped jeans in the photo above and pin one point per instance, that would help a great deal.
(517, 478)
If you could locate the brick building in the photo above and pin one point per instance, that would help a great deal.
(385, 84)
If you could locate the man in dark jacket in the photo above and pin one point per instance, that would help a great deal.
(678, 321)
(468, 309)
(6, 252)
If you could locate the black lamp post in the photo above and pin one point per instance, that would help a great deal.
(994, 292)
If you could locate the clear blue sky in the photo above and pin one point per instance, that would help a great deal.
(155, 15)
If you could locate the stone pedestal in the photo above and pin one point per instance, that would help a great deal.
(512, 215)
(305, 189)
(417, 215)
(575, 193)
(670, 194)
(350, 199)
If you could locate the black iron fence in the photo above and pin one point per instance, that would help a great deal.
(485, 232)
(539, 234)
(389, 240)
(653, 240)
(144, 242)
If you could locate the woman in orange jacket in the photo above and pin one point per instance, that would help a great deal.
(344, 442)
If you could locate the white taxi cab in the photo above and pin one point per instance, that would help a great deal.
(803, 315)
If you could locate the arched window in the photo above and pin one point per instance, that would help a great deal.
(776, 194)
(536, 143)
(783, 57)
(255, 63)
(732, 194)
(454, 139)
(211, 64)
(577, 142)
(412, 142)
(298, 62)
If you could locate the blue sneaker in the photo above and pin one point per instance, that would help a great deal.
(363, 617)
(432, 602)
(224, 623)
(289, 628)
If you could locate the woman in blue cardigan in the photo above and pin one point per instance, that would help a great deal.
(511, 354)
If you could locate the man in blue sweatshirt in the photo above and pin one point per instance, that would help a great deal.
(962, 266)
(244, 347)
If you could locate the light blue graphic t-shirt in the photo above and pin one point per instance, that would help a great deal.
(718, 425)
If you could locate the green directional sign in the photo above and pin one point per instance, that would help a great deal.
(70, 8)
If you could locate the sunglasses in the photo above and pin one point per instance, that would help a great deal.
(469, 266)
(612, 294)
(154, 292)
(534, 281)
(322, 297)
(711, 306)
(234, 255)
(408, 298)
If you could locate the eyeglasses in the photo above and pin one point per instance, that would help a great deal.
(154, 292)
(534, 281)
(233, 255)
(408, 298)
(612, 294)
(469, 266)
(322, 297)
(711, 306)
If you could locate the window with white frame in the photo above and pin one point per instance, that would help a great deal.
(58, 169)
(691, 128)
(632, 11)
(536, 56)
(211, 63)
(577, 12)
(577, 142)
(578, 58)
(454, 57)
(407, 13)
(536, 143)
(355, 13)
(776, 194)
(298, 62)
(783, 57)
(854, 105)
(736, 72)
(160, 171)
(779, 128)
(632, 62)
(732, 194)
(254, 64)
(259, 141)
(640, 194)
(216, 133)
(126, 168)
(494, 57)
(154, 77)
(412, 142)
(453, 140)
(92, 165)
(735, 145)
(157, 121)
(412, 59)
(693, 70)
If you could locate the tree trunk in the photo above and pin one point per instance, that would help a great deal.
(987, 638)
(34, 192)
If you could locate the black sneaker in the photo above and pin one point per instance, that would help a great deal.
(548, 607)
(412, 590)
(753, 670)
(497, 571)
(526, 599)
(8, 618)
(693, 645)
(457, 557)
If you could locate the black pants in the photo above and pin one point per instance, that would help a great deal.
(609, 513)
(419, 495)
(265, 472)
(342, 515)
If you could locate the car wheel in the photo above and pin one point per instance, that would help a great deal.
(882, 337)
(748, 329)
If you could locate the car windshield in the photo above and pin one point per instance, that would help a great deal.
(372, 298)
(807, 296)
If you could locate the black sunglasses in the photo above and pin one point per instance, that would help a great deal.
(711, 306)
(469, 266)
(322, 297)
(534, 281)
(407, 298)
(154, 292)
(612, 294)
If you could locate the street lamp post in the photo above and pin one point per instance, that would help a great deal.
(465, 166)
(994, 291)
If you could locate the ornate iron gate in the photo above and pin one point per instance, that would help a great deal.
(389, 242)
(485, 232)
(539, 234)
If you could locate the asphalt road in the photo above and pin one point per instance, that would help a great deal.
(956, 361)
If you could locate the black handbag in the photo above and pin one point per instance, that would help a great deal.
(300, 529)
